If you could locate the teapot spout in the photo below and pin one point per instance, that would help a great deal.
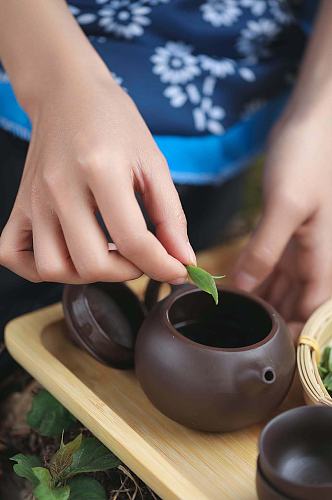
(255, 379)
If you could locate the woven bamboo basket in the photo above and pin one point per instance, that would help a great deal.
(315, 336)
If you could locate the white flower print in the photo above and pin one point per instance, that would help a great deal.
(100, 39)
(257, 7)
(255, 38)
(281, 11)
(124, 18)
(86, 18)
(217, 67)
(73, 9)
(175, 63)
(177, 97)
(208, 117)
(221, 12)
(117, 78)
(155, 2)
(193, 94)
(247, 74)
(209, 85)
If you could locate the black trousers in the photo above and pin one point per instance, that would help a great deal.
(208, 210)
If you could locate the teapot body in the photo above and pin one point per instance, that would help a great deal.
(214, 368)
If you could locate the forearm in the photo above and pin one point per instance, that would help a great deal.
(40, 43)
(313, 91)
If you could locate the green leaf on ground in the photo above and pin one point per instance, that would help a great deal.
(45, 489)
(48, 416)
(24, 466)
(92, 456)
(204, 280)
(86, 488)
(63, 458)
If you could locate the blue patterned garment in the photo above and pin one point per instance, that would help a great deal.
(209, 77)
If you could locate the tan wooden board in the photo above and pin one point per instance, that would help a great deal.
(175, 461)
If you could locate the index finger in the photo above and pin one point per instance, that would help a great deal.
(116, 200)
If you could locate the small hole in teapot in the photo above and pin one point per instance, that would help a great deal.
(236, 322)
(269, 375)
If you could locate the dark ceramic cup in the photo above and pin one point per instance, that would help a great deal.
(265, 490)
(103, 319)
(296, 453)
(214, 368)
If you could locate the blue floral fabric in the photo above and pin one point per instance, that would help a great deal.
(209, 77)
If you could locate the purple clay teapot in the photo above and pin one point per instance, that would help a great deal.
(213, 368)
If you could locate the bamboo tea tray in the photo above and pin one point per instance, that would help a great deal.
(176, 462)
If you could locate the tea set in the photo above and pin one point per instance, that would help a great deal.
(214, 368)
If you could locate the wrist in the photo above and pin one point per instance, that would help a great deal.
(45, 81)
(302, 113)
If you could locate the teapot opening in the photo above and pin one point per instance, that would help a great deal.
(237, 321)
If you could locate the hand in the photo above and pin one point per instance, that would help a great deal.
(90, 151)
(288, 259)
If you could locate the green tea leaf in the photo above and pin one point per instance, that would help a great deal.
(45, 489)
(92, 456)
(204, 280)
(322, 371)
(325, 358)
(63, 458)
(48, 416)
(328, 381)
(86, 488)
(329, 364)
(24, 466)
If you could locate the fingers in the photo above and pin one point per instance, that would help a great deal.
(314, 293)
(52, 258)
(16, 251)
(264, 289)
(288, 304)
(315, 264)
(165, 210)
(279, 288)
(265, 248)
(88, 246)
(124, 220)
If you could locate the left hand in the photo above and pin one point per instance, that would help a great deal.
(288, 259)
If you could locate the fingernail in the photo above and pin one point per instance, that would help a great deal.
(178, 281)
(245, 281)
(191, 254)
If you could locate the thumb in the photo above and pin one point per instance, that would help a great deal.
(278, 223)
